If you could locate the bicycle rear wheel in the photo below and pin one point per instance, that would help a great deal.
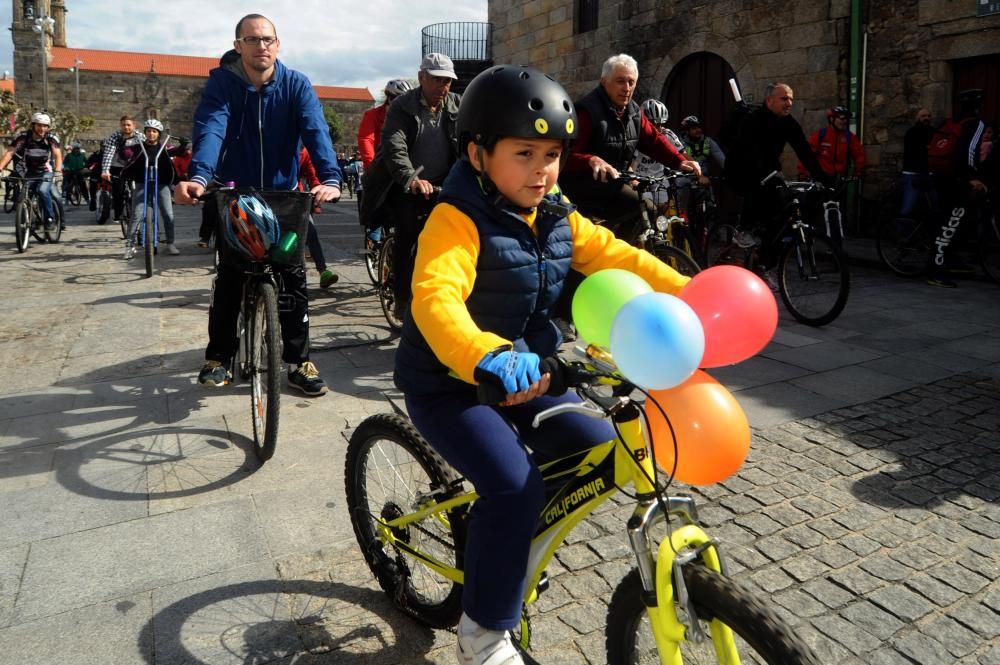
(758, 633)
(989, 248)
(813, 279)
(904, 245)
(721, 248)
(391, 471)
(675, 258)
(22, 226)
(386, 286)
(263, 364)
(371, 252)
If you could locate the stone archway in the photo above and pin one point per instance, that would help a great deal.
(711, 43)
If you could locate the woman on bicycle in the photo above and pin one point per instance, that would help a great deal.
(490, 265)
(135, 170)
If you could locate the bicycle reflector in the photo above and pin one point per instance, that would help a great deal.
(251, 228)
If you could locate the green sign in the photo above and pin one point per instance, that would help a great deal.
(987, 7)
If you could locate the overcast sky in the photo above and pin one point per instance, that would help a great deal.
(361, 44)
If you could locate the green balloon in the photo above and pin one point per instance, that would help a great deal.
(598, 300)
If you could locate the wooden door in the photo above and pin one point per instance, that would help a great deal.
(699, 85)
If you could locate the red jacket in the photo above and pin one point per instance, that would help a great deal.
(307, 171)
(833, 151)
(370, 133)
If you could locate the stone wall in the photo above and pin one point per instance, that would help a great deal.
(910, 46)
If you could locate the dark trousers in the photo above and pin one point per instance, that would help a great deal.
(315, 248)
(958, 203)
(225, 308)
(761, 213)
(482, 444)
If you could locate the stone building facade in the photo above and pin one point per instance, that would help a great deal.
(919, 53)
(143, 85)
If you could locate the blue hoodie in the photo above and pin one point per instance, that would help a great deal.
(253, 138)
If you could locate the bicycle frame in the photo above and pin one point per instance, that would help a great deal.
(575, 486)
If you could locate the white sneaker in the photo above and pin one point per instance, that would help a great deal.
(479, 646)
(172, 249)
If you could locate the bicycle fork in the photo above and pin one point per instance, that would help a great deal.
(664, 588)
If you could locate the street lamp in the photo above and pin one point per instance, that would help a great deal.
(76, 69)
(42, 27)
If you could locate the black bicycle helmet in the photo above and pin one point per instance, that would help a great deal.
(513, 100)
(838, 112)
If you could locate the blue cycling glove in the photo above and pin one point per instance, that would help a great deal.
(509, 370)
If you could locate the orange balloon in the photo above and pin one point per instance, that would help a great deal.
(713, 435)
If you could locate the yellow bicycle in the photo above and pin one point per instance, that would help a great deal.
(410, 510)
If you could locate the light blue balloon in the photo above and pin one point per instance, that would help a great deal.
(657, 341)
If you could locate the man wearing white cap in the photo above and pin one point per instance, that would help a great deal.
(419, 145)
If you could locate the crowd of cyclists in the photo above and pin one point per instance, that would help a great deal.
(511, 174)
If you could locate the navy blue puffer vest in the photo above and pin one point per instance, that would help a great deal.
(518, 279)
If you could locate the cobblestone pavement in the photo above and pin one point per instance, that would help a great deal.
(138, 529)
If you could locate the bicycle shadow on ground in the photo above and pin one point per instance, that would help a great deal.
(933, 447)
(309, 621)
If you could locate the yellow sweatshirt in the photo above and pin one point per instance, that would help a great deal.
(445, 272)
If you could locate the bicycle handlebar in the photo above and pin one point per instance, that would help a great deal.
(563, 375)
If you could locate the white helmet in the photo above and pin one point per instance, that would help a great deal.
(396, 87)
(41, 119)
(656, 111)
(153, 123)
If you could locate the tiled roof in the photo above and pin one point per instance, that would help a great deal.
(170, 65)
(7, 84)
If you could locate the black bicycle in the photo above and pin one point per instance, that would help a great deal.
(11, 190)
(28, 217)
(72, 188)
(812, 273)
(386, 284)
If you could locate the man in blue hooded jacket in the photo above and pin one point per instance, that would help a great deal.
(253, 114)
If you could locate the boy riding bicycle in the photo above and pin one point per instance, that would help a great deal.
(135, 171)
(489, 268)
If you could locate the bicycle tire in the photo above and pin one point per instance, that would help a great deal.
(813, 279)
(371, 252)
(55, 234)
(37, 225)
(386, 286)
(102, 210)
(904, 245)
(989, 248)
(149, 242)
(675, 258)
(127, 212)
(74, 194)
(9, 197)
(392, 443)
(22, 226)
(760, 635)
(721, 248)
(263, 363)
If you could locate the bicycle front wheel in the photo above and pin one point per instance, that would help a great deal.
(758, 633)
(9, 197)
(386, 285)
(675, 258)
(74, 195)
(149, 242)
(391, 471)
(263, 364)
(126, 217)
(813, 279)
(904, 245)
(371, 252)
(22, 227)
(989, 249)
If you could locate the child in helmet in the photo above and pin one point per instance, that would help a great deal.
(135, 170)
(489, 267)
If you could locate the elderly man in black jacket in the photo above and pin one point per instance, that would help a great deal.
(419, 145)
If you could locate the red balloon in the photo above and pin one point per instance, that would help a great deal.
(713, 435)
(737, 311)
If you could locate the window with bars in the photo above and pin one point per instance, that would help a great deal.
(586, 15)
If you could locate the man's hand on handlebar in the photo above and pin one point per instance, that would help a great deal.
(188, 191)
(691, 166)
(601, 169)
(419, 186)
(325, 193)
(106, 177)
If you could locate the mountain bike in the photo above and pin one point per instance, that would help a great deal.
(906, 244)
(144, 231)
(812, 273)
(29, 219)
(673, 224)
(386, 282)
(410, 513)
(648, 231)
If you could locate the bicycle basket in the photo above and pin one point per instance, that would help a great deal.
(290, 211)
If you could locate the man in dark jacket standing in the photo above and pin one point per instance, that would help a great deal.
(419, 145)
(915, 172)
(253, 113)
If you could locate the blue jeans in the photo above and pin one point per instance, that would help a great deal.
(490, 447)
(44, 189)
(166, 220)
(913, 186)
